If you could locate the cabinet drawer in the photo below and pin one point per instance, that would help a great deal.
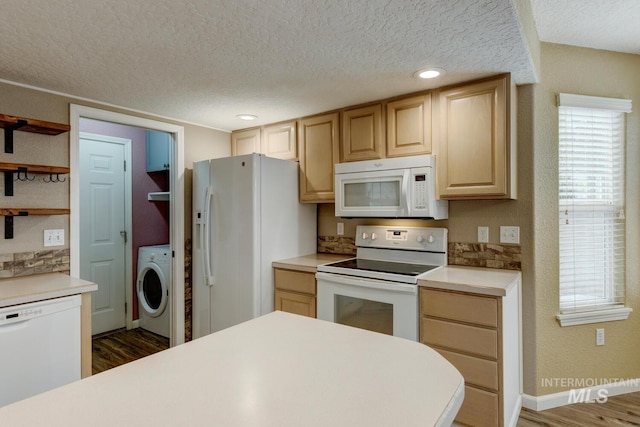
(455, 336)
(296, 281)
(464, 308)
(304, 305)
(479, 409)
(480, 372)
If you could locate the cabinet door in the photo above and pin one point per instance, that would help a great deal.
(318, 151)
(474, 141)
(409, 126)
(245, 142)
(362, 134)
(279, 140)
(158, 146)
(302, 304)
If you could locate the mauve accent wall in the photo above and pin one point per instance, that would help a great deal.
(150, 220)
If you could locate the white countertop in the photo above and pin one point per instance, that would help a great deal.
(479, 280)
(309, 263)
(277, 370)
(22, 290)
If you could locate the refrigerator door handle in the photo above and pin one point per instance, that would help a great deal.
(207, 236)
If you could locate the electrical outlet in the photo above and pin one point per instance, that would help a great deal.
(483, 234)
(340, 229)
(54, 237)
(510, 235)
(599, 336)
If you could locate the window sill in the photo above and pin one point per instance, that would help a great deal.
(582, 318)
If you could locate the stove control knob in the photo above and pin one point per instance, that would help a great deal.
(374, 236)
(431, 239)
(365, 236)
(420, 239)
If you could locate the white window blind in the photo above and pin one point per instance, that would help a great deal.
(591, 202)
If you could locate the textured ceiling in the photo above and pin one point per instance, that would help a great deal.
(204, 61)
(598, 24)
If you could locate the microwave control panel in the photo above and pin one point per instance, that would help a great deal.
(420, 191)
(421, 185)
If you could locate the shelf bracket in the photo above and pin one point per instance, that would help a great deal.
(8, 183)
(8, 135)
(8, 224)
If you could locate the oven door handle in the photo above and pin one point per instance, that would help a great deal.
(365, 282)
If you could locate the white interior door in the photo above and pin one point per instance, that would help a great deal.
(103, 227)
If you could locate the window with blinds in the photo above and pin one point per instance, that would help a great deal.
(591, 202)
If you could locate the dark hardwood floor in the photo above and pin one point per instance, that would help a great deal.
(116, 348)
(622, 410)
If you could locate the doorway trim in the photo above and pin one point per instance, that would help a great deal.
(128, 273)
(176, 201)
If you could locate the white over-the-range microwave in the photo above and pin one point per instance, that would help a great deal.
(402, 187)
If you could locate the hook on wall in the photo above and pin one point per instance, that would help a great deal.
(22, 175)
(52, 179)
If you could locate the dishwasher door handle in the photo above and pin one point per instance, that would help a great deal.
(14, 326)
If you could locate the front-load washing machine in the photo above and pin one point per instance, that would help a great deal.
(153, 287)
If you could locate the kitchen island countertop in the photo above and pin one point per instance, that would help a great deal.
(276, 370)
(22, 290)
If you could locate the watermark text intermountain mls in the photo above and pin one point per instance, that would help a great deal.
(589, 390)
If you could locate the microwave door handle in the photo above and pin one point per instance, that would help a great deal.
(405, 191)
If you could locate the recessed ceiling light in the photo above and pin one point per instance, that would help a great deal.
(428, 73)
(246, 116)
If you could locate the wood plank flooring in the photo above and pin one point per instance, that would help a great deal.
(116, 348)
(622, 410)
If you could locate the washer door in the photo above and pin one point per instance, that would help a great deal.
(152, 289)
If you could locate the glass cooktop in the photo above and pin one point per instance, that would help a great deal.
(383, 266)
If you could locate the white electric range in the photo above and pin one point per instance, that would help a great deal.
(377, 290)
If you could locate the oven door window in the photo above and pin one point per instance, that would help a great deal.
(365, 314)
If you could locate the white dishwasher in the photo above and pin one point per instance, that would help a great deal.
(39, 347)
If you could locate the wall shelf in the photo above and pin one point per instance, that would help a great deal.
(158, 196)
(23, 170)
(12, 123)
(9, 213)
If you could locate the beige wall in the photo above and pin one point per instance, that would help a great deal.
(570, 352)
(200, 143)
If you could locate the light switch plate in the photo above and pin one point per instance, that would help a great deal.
(483, 234)
(510, 235)
(54, 237)
(340, 229)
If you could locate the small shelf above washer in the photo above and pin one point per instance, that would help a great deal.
(158, 196)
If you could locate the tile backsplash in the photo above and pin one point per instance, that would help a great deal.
(470, 254)
(36, 262)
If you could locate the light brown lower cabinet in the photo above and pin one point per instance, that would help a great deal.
(479, 335)
(295, 292)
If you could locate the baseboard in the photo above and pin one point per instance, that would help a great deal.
(135, 324)
(597, 393)
(513, 421)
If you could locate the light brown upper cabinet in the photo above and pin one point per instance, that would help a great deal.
(245, 142)
(279, 141)
(476, 147)
(362, 137)
(318, 152)
(409, 126)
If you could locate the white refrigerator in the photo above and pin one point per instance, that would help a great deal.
(246, 215)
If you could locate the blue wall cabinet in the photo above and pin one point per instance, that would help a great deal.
(158, 151)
